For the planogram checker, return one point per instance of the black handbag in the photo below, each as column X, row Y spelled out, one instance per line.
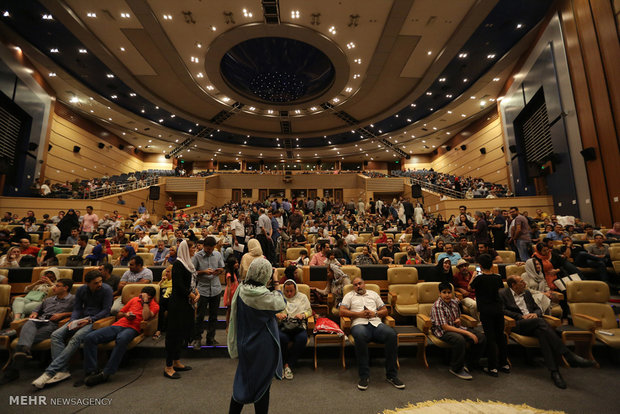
column 292, row 325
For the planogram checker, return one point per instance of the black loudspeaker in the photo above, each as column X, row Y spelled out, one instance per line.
column 76, row 149
column 416, row 191
column 49, row 147
column 154, row 192
column 503, row 150
column 448, row 147
column 588, row 154
column 215, row 163
column 32, row 146
column 121, row 147
column 483, row 150
column 463, row 147
column 262, row 162
column 101, row 145
column 365, row 163
column 513, row 149
column 167, row 156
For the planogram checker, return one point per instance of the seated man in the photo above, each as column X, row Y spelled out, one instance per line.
column 159, row 253
column 138, row 309
column 557, row 233
column 56, row 307
column 387, row 254
column 462, row 277
column 319, row 257
column 424, row 251
column 82, row 248
column 450, row 254
column 519, row 304
column 137, row 273
column 465, row 249
column 298, row 239
column 484, row 248
column 92, row 302
column 110, row 279
column 366, row 309
column 73, row 238
column 446, row 325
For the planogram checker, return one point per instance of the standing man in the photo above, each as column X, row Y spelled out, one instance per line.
column 90, row 222
column 209, row 265
column 520, row 233
column 237, row 229
column 263, row 234
column 498, row 228
column 366, row 309
column 93, row 301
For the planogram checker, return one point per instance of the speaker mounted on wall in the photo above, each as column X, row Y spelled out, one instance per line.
column 513, row 149
column 463, row 147
column 588, row 154
column 76, row 149
column 483, row 150
column 121, row 147
column 154, row 192
column 101, row 145
column 416, row 191
column 448, row 147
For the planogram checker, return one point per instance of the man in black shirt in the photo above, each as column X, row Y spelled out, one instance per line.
column 387, row 254
column 298, row 239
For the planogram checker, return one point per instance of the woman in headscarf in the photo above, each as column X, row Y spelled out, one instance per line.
column 254, row 252
column 47, row 257
column 253, row 338
column 98, row 254
column 537, row 285
column 126, row 255
column 293, row 325
column 443, row 271
column 67, row 223
column 180, row 310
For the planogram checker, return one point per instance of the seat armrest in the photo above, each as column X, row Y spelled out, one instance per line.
column 345, row 323
column 63, row 322
column 582, row 320
column 392, row 298
column 468, row 321
column 104, row 322
column 423, row 322
column 389, row 321
column 310, row 321
column 330, row 300
column 509, row 323
column 559, row 296
column 18, row 324
column 458, row 295
column 553, row 321
column 149, row 327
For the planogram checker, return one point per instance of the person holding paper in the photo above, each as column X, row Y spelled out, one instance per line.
column 43, row 321
column 93, row 301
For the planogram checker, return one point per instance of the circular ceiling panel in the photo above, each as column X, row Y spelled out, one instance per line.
column 277, row 70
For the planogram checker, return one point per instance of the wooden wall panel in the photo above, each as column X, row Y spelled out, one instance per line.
column 471, row 162
column 63, row 164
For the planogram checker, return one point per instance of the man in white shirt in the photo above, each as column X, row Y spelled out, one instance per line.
column 367, row 309
column 143, row 239
column 45, row 188
column 350, row 238
column 237, row 230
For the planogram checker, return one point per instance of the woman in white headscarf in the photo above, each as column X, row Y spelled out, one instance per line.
column 293, row 326
column 418, row 214
column 253, row 337
column 537, row 285
column 254, row 252
column 180, row 309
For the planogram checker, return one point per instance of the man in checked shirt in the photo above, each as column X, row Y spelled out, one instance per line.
column 446, row 325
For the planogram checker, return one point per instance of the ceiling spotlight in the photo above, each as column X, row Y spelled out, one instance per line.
column 519, row 26
column 295, row 14
column 161, row 120
column 332, row 30
column 472, row 97
column 6, row 14
column 172, row 116
column 167, row 17
column 355, row 76
column 52, row 74
column 349, row 89
column 47, row 17
column 125, row 15
column 246, row 13
column 429, row 52
column 270, row 111
column 336, row 100
column 200, row 75
column 54, row 50
column 251, row 108
column 350, row 45
column 209, row 87
column 122, row 49
column 495, row 79
column 358, row 61
column 226, row 99
column 297, row 111
column 198, row 45
column 74, row 99
column 429, row 93
column 464, row 116
column 82, row 50
column 491, row 56
column 448, row 96
column 413, row 105
column 465, row 80
column 132, row 94
column 194, row 59
column 462, row 55
column 313, row 108
column 449, row 112
column 113, row 96
column 483, row 103
column 109, row 75
column 92, row 15
column 213, row 28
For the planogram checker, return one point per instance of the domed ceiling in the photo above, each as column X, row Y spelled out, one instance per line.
column 277, row 79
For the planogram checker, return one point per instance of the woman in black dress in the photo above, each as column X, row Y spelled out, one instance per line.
column 180, row 309
column 69, row 222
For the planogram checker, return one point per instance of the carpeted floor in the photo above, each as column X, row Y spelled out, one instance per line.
column 207, row 388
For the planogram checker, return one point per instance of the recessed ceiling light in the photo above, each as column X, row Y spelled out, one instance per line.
column 125, row 15
column 429, row 93
column 495, row 79
column 332, row 30
column 463, row 115
column 462, row 55
column 132, row 94
column 429, row 52
column 349, row 89
column 82, row 50
column 297, row 111
column 519, row 26
column 251, row 108
column 449, row 112
column 465, row 80
column 226, row 99
column 200, row 75
column 491, row 56
column 161, row 120
column 142, row 111
column 113, row 96
column 122, row 49
column 91, row 15
column 355, row 76
column 213, row 28
column 358, row 61
column 194, row 59
column 74, row 99
column 167, row 17
column 54, row 50
column 313, row 108
column 336, row 100
column 52, row 74
column 47, row 17
column 472, row 97
column 109, row 75
column 246, row 13
column 198, row 45
column 294, row 14
column 350, row 45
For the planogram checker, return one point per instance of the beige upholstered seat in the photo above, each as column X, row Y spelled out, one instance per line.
column 508, row 256
column 514, row 270
column 62, row 258
column 352, row 271
column 588, row 303
column 292, row 253
column 147, row 257
column 398, row 257
column 402, row 290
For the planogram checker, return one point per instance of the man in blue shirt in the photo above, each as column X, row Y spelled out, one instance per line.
column 449, row 253
column 159, row 253
column 557, row 233
column 93, row 301
column 209, row 265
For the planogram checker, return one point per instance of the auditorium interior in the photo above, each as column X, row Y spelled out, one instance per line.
column 188, row 113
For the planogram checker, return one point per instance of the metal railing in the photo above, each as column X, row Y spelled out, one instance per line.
column 438, row 188
column 120, row 187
